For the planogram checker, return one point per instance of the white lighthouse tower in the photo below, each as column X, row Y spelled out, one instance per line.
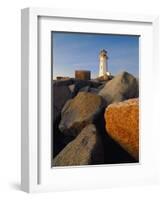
column 103, row 63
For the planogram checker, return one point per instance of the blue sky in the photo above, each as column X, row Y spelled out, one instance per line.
column 73, row 51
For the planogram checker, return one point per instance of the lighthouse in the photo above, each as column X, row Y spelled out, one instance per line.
column 103, row 63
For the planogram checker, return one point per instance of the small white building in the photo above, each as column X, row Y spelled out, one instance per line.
column 103, row 63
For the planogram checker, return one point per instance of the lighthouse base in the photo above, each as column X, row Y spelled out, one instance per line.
column 105, row 77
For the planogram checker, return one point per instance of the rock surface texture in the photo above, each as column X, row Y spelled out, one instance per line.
column 79, row 112
column 121, row 87
column 85, row 149
column 122, row 124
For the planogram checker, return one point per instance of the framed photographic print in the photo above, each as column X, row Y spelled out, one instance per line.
column 86, row 97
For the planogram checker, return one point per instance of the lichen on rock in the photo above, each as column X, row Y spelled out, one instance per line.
column 122, row 124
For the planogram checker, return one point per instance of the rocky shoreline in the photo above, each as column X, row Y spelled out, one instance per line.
column 96, row 121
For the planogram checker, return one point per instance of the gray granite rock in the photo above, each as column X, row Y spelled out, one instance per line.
column 121, row 87
column 80, row 111
column 61, row 93
column 85, row 149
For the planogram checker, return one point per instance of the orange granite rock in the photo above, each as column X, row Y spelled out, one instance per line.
column 122, row 124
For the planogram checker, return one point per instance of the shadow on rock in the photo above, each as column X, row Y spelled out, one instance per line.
column 113, row 152
column 59, row 140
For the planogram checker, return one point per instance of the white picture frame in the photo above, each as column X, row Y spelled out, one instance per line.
column 36, row 171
